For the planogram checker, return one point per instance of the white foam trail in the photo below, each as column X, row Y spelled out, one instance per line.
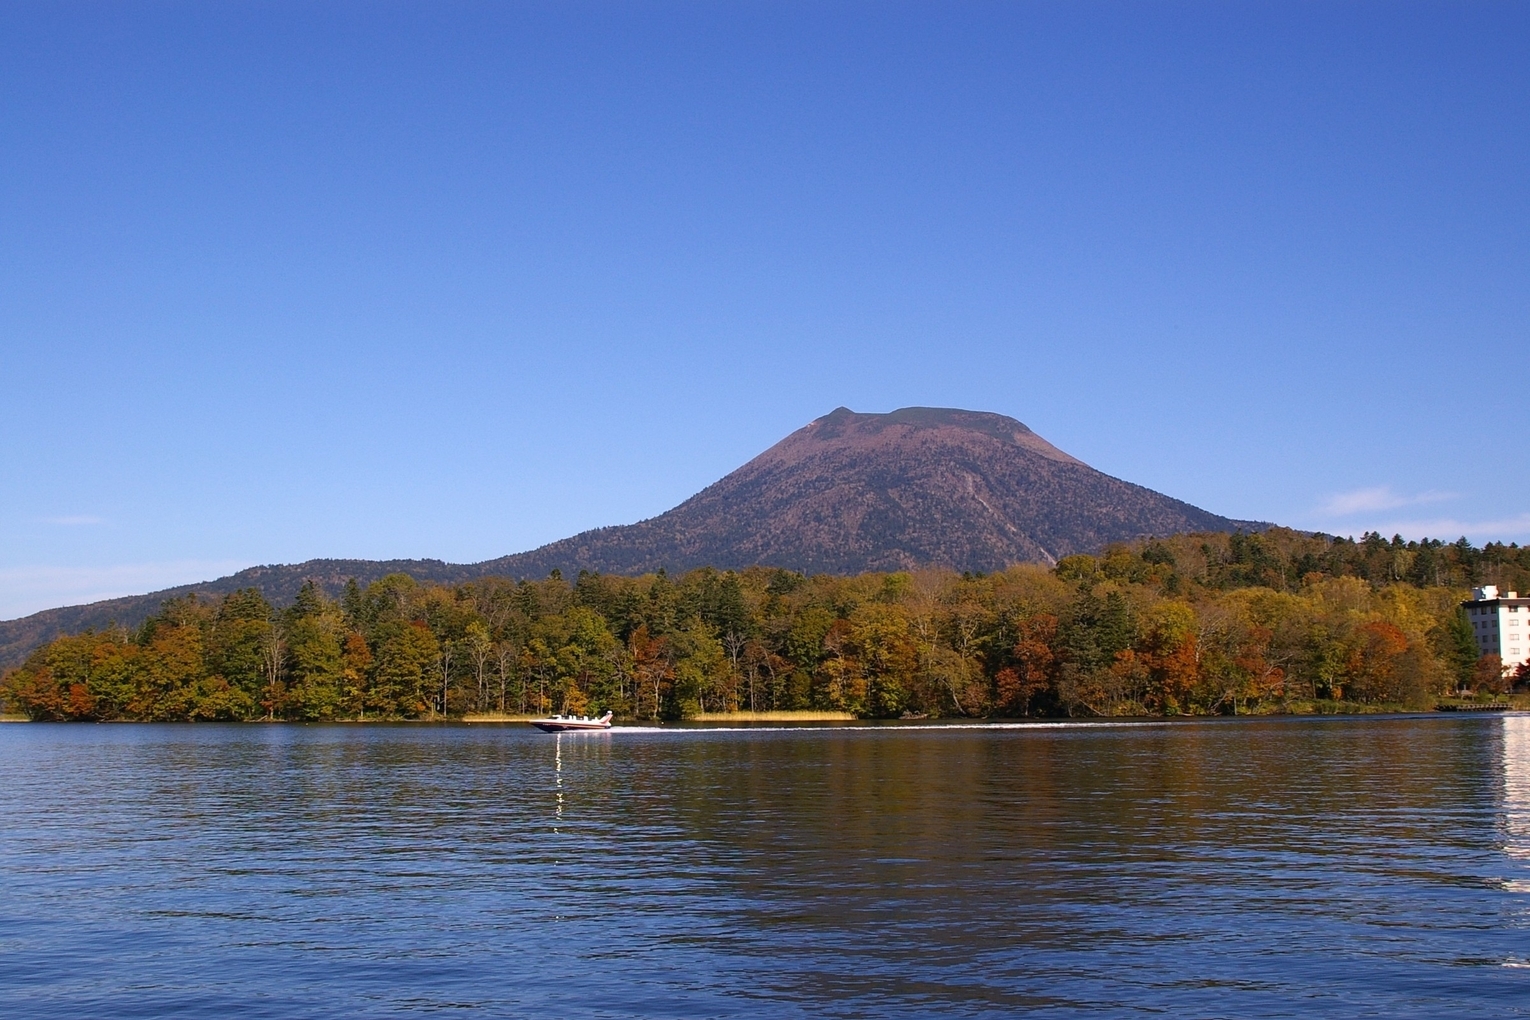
column 854, row 728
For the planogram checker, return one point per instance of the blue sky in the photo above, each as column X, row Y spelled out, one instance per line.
column 280, row 281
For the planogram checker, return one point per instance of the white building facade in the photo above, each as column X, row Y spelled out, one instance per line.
column 1502, row 625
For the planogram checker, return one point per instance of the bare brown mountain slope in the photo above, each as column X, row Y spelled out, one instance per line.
column 919, row 486
column 849, row 492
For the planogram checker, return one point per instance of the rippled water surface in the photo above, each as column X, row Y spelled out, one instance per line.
column 1234, row 868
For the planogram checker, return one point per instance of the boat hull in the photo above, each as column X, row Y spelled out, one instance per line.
column 567, row 723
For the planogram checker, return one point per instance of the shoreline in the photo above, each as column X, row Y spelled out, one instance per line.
column 804, row 715
column 809, row 716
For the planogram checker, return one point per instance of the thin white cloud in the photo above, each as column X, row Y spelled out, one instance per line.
column 75, row 521
column 29, row 589
column 1380, row 497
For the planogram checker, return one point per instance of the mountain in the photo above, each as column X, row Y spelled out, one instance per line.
column 853, row 492
column 849, row 492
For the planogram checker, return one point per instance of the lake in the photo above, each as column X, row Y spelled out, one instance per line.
column 1247, row 868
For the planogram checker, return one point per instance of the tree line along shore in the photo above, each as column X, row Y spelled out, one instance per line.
column 1279, row 621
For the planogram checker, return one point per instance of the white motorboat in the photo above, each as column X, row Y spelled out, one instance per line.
column 562, row 723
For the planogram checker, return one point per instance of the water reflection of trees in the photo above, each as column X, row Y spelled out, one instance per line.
column 989, row 855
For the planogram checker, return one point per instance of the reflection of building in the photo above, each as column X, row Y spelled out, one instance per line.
column 1502, row 625
column 1516, row 784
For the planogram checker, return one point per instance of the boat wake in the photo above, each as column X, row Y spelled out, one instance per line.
column 956, row 727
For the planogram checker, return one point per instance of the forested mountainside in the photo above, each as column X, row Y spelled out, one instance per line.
column 278, row 584
column 918, row 487
column 846, row 494
column 1196, row 624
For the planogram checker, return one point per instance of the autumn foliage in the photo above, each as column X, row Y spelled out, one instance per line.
column 1161, row 628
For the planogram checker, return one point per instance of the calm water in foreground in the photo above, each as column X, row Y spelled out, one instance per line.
column 1236, row 868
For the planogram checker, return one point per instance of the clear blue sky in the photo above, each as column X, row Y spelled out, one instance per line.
column 287, row 280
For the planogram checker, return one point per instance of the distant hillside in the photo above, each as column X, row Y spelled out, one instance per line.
column 279, row 583
column 848, row 493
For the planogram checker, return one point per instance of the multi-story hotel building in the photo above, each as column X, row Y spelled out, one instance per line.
column 1502, row 625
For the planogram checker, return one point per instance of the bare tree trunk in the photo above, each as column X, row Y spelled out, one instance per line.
column 271, row 656
column 505, row 653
